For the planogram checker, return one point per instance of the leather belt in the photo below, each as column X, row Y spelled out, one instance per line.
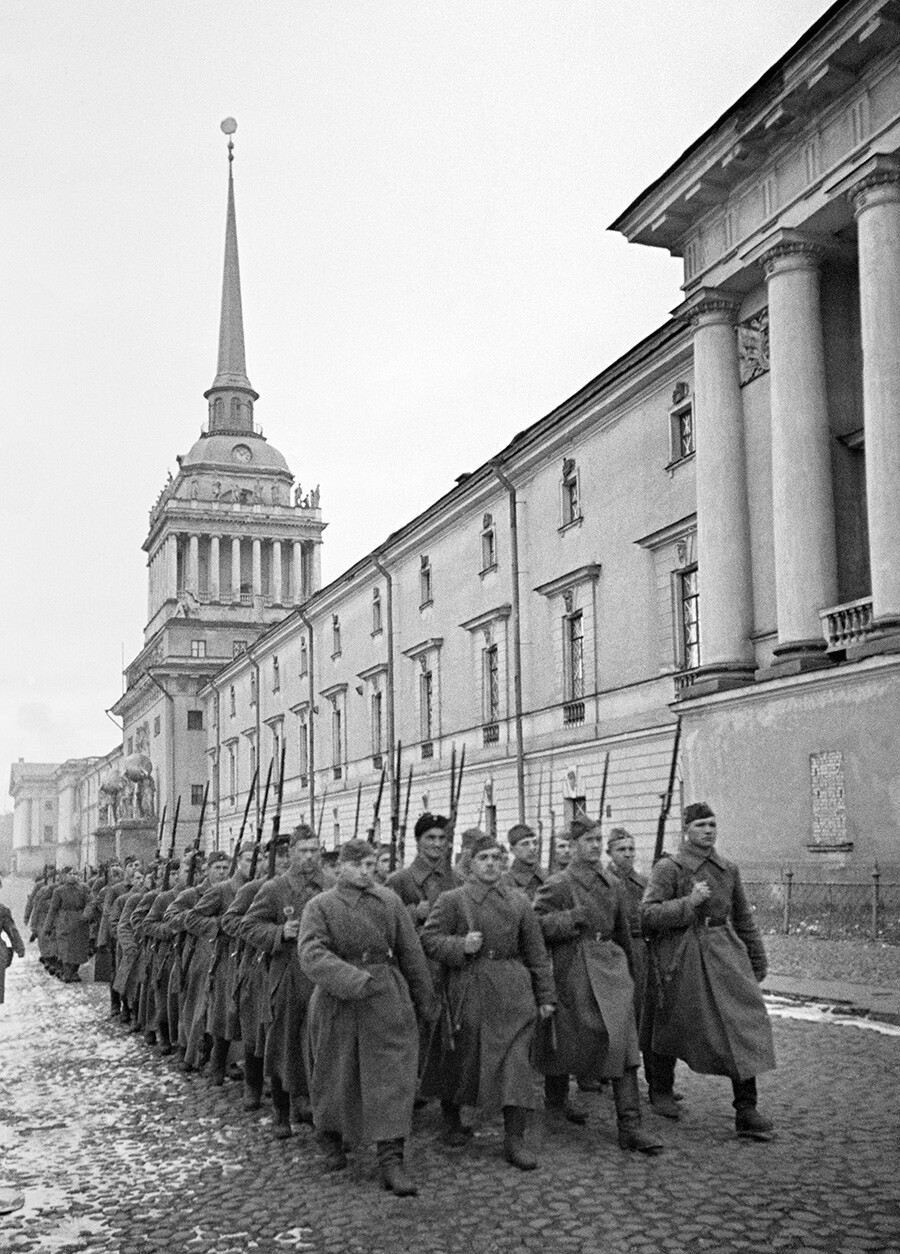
column 371, row 958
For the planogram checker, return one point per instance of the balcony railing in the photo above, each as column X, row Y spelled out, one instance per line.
column 847, row 624
column 573, row 713
column 684, row 680
column 427, row 750
column 337, row 772
column 490, row 734
column 377, row 761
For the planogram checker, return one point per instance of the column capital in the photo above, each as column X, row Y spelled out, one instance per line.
column 877, row 183
column 710, row 305
column 789, row 250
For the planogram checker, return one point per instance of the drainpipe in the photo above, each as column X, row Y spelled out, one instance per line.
column 517, row 635
column 217, row 768
column 311, row 763
column 253, row 662
column 389, row 584
column 171, row 722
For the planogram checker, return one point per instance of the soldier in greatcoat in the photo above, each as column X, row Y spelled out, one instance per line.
column 159, row 938
column 145, row 999
column 197, row 949
column 16, row 944
column 107, row 939
column 46, row 941
column 65, row 918
column 708, row 960
column 127, row 949
column 584, row 918
column 250, row 980
column 357, row 944
column 93, row 913
column 497, row 982
column 215, row 1017
column 182, row 950
column 525, row 872
column 271, row 926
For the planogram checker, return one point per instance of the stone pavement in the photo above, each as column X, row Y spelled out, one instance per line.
column 113, row 1150
column 868, row 1001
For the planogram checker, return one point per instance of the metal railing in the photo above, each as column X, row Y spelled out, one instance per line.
column 847, row 624
column 427, row 749
column 828, row 910
column 490, row 734
column 573, row 713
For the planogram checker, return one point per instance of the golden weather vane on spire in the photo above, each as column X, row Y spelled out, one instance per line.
column 229, row 126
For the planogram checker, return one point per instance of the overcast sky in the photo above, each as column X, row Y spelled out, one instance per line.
column 423, row 190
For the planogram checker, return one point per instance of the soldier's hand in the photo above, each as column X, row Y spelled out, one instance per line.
column 473, row 942
column 423, row 909
column 290, row 929
column 699, row 893
column 546, row 1011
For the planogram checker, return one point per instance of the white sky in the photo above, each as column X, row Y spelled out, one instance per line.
column 422, row 190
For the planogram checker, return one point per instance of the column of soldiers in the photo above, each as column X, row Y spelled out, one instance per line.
column 354, row 994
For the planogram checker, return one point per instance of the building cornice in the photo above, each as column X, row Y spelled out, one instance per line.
column 582, row 574
column 489, row 616
column 670, row 533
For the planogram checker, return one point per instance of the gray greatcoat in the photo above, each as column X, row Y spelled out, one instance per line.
column 204, row 921
column 46, row 940
column 180, row 1010
column 65, row 920
column 289, row 989
column 491, row 998
column 706, row 963
column 360, row 950
column 250, row 977
column 634, row 885
column 584, row 918
column 16, row 945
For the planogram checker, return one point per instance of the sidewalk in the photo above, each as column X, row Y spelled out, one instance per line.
column 868, row 1001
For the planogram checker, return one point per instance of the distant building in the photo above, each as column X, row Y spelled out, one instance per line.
column 6, row 843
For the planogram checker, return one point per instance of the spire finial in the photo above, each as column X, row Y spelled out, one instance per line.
column 229, row 126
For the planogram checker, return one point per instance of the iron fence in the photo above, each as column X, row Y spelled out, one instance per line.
column 828, row 910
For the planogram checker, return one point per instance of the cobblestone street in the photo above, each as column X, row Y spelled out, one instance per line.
column 113, row 1149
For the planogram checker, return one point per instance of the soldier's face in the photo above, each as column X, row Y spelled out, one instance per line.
column 589, row 847
column 702, row 833
column 527, row 850
column 383, row 867
column 218, row 872
column 622, row 853
column 433, row 845
column 563, row 851
column 305, row 856
column 359, row 874
column 282, row 859
column 244, row 860
column 137, row 880
column 487, row 865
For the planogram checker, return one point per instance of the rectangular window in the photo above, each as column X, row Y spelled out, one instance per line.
column 195, row 720
column 574, row 661
column 337, row 740
column 376, row 611
column 276, row 675
column 157, row 725
column 488, row 548
column 198, row 648
column 303, row 745
column 335, row 636
column 491, row 684
column 276, row 748
column 426, row 705
column 238, row 647
column 48, row 833
column 253, row 687
column 571, row 500
column 377, row 722
column 232, row 701
column 689, row 618
column 252, row 758
column 681, row 433
column 129, row 745
column 425, row 591
column 232, row 773
column 196, row 794
column 304, row 659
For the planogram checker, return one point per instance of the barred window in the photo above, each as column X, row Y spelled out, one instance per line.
column 571, row 495
column 491, row 684
column 425, row 587
column 689, row 618
column 376, row 611
column 574, row 656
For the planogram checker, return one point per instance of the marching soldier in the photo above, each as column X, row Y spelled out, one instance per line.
column 359, row 947
column 421, row 883
column 182, row 949
column 127, row 951
column 198, row 948
column 65, row 920
column 497, row 981
column 525, row 872
column 584, row 918
column 162, row 955
column 16, row 944
column 39, row 909
column 708, row 960
column 270, row 926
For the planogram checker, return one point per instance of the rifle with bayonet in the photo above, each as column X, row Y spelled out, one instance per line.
column 321, row 815
column 262, row 820
column 603, row 787
column 167, row 874
column 161, row 830
column 237, row 849
column 540, row 821
column 374, row 826
column 195, row 848
column 276, row 822
column 666, row 797
column 358, row 805
column 401, row 840
column 395, row 805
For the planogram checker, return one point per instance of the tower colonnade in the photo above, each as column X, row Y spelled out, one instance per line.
column 233, row 569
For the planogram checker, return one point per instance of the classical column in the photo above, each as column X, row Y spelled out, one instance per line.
column 276, row 572
column 214, row 568
column 802, row 495
column 876, row 203
column 257, row 570
column 315, row 582
column 193, row 571
column 723, row 520
column 235, row 569
column 171, row 567
column 297, row 572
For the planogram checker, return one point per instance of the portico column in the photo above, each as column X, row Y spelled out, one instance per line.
column 802, row 495
column 316, row 564
column 723, row 521
column 257, row 570
column 276, row 572
column 171, row 567
column 297, row 572
column 235, row 569
column 876, row 204
column 214, row 568
column 193, row 576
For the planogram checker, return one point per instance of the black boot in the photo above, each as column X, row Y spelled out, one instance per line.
column 455, row 1135
column 556, row 1094
column 162, row 1038
column 218, row 1060
column 515, row 1119
column 281, row 1101
column 393, row 1173
column 253, row 1081
column 748, row 1121
column 332, row 1146
column 628, row 1114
